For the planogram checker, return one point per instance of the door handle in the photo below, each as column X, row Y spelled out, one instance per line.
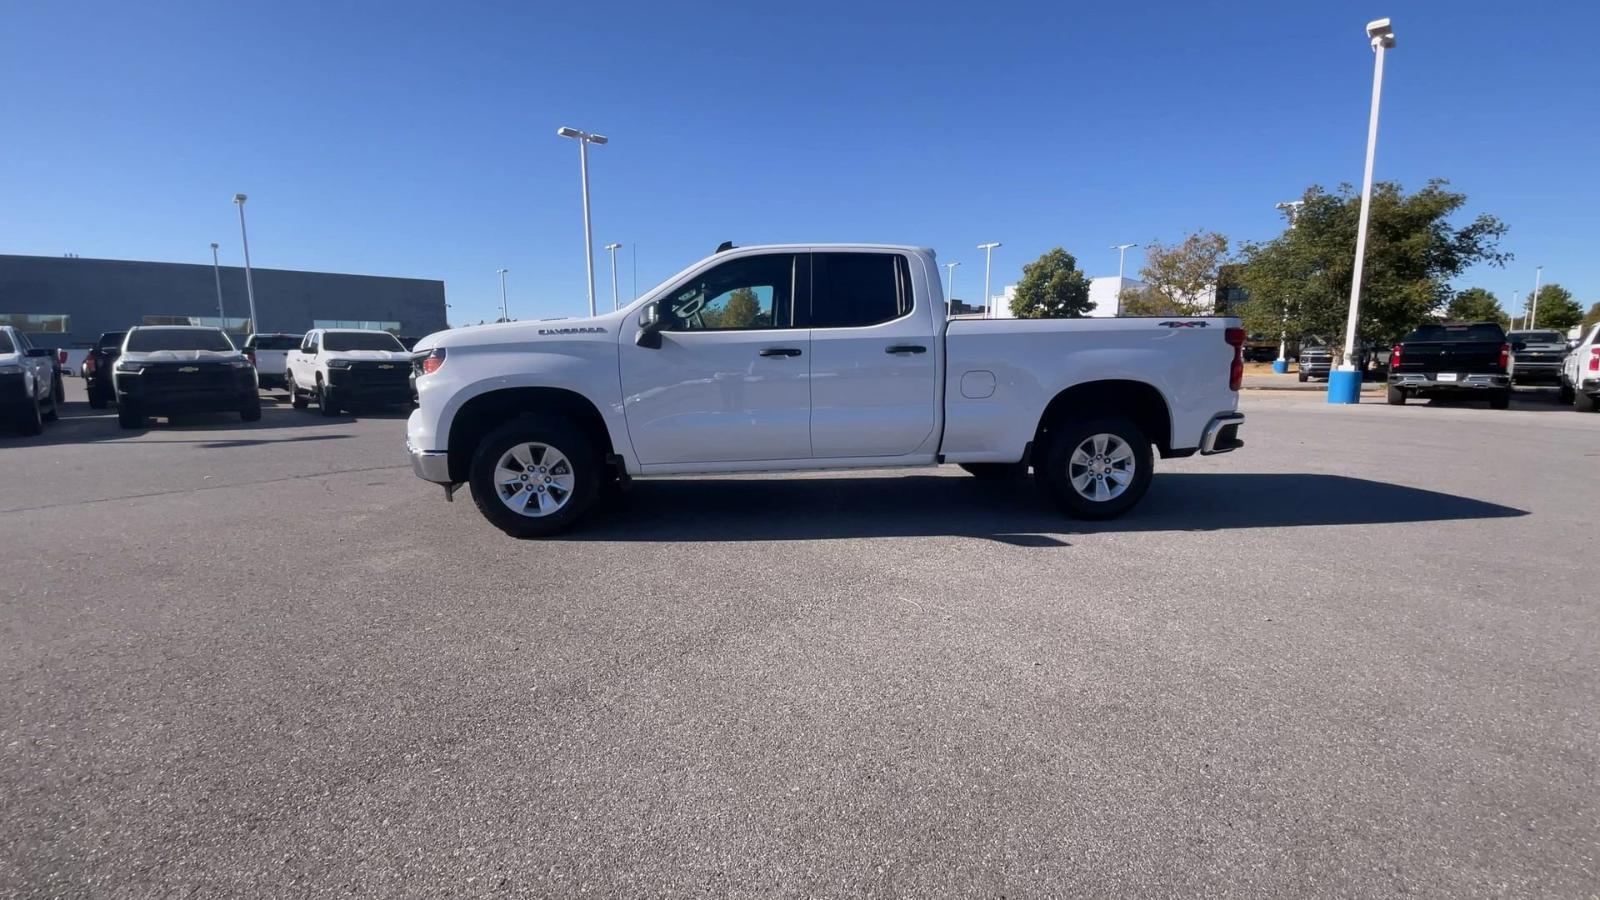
column 906, row 348
column 780, row 351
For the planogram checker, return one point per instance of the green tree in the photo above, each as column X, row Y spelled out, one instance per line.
column 1301, row 279
column 1591, row 317
column 1557, row 309
column 1052, row 287
column 1180, row 279
column 1476, row 305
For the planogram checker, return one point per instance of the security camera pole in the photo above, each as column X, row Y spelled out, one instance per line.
column 249, row 283
column 988, row 255
column 950, row 299
column 216, row 269
column 1290, row 208
column 612, row 249
column 1344, row 383
column 584, row 139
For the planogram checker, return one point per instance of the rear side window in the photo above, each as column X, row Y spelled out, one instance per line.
column 1485, row 332
column 852, row 290
column 5, row 343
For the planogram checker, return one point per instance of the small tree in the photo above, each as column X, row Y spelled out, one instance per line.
column 1557, row 309
column 1180, row 279
column 1476, row 305
column 1052, row 287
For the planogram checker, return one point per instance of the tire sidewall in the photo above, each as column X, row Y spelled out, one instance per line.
column 1065, row 437
column 558, row 433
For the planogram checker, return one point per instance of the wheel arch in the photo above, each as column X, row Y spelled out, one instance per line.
column 1138, row 400
column 484, row 412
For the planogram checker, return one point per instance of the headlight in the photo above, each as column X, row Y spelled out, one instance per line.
column 9, row 369
column 238, row 364
column 338, row 363
column 130, row 367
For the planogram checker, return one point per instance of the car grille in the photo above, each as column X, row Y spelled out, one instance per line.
column 188, row 377
column 378, row 375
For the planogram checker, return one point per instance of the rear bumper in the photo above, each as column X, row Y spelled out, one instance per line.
column 1222, row 434
column 430, row 465
column 1428, row 383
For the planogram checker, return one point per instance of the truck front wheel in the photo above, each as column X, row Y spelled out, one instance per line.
column 1096, row 469
column 535, row 476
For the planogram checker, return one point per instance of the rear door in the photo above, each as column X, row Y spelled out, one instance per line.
column 874, row 356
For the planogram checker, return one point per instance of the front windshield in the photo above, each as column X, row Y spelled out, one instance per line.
column 361, row 340
column 151, row 340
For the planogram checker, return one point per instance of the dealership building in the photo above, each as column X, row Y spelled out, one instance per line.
column 68, row 302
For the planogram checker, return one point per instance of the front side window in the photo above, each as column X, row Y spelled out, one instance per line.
column 853, row 290
column 310, row 344
column 5, row 343
column 755, row 292
column 151, row 340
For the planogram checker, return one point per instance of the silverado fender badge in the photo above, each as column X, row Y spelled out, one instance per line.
column 585, row 329
column 1182, row 324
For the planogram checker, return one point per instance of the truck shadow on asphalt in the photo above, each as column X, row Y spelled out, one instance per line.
column 683, row 510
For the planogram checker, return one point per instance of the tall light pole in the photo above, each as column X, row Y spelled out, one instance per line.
column 612, row 249
column 505, row 309
column 216, row 269
column 1291, row 209
column 249, row 283
column 988, row 254
column 1344, row 383
column 584, row 139
column 1533, row 307
column 950, row 293
column 1122, row 253
column 1516, row 297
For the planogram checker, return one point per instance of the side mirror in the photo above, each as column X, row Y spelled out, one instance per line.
column 649, row 335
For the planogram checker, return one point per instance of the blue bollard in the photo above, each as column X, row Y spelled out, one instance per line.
column 1344, row 386
column 1280, row 366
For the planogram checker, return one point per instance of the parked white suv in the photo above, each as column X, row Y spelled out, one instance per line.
column 1580, row 373
column 342, row 368
column 814, row 357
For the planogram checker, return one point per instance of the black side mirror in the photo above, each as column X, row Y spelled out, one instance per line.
column 649, row 335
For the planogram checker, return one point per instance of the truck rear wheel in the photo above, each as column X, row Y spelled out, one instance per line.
column 1397, row 397
column 1096, row 469
column 535, row 476
column 1500, row 399
column 1583, row 402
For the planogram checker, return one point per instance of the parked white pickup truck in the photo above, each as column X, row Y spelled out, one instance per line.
column 30, row 385
column 814, row 357
column 1580, row 373
column 269, row 353
column 342, row 368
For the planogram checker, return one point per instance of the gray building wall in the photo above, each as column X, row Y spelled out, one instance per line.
column 109, row 295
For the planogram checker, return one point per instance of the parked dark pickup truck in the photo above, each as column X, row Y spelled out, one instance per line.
column 1452, row 360
column 97, row 369
column 1536, row 356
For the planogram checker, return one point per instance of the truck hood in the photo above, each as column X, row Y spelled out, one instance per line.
column 599, row 329
column 399, row 356
column 159, row 356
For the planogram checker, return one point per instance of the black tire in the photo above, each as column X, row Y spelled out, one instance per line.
column 251, row 410
column 1583, row 402
column 129, row 415
column 296, row 398
column 1500, row 399
column 1304, row 378
column 30, row 420
column 1564, row 393
column 58, row 394
column 98, row 398
column 569, row 440
column 1397, row 397
column 1055, row 476
column 996, row 471
column 325, row 402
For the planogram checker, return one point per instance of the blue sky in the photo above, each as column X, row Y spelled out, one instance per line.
column 419, row 139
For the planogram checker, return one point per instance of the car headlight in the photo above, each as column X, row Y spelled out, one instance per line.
column 338, row 363
column 238, row 364
column 9, row 369
column 130, row 366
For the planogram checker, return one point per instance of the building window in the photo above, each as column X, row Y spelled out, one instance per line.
column 37, row 323
column 391, row 327
column 235, row 325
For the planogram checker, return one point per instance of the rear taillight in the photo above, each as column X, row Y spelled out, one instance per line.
column 1235, row 339
column 1394, row 357
column 61, row 357
column 432, row 362
column 89, row 364
column 1594, row 359
column 250, row 355
column 1505, row 356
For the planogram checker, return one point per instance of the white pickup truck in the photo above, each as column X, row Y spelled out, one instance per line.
column 814, row 357
column 30, row 385
column 269, row 353
column 1580, row 373
column 345, row 368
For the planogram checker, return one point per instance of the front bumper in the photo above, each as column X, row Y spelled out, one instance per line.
column 371, row 385
column 1532, row 371
column 157, row 393
column 430, row 465
column 1222, row 434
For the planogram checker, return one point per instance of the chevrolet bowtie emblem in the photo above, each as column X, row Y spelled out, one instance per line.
column 188, row 368
column 386, row 366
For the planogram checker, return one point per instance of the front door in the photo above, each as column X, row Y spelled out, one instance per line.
column 730, row 382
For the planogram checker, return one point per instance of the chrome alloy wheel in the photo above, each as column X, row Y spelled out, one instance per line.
column 1101, row 468
column 534, row 479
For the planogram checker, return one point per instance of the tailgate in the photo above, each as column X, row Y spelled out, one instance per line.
column 1449, row 356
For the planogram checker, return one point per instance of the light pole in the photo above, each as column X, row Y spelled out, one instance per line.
column 1533, row 307
column 1516, row 297
column 505, row 309
column 249, row 283
column 1122, row 253
column 1290, row 208
column 216, row 269
column 988, row 253
column 584, row 139
column 612, row 249
column 1344, row 383
column 950, row 296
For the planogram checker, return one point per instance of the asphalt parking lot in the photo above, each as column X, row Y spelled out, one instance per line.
column 1357, row 657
